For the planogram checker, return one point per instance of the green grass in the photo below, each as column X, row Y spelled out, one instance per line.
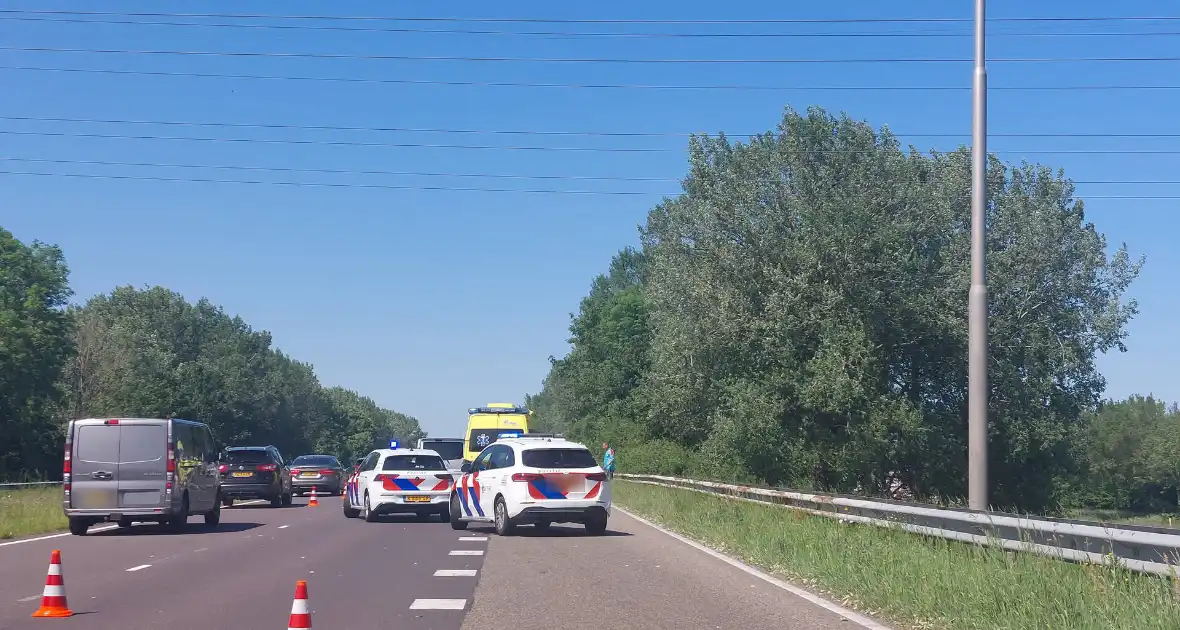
column 1114, row 516
column 28, row 511
column 907, row 580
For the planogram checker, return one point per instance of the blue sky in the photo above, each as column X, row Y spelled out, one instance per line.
column 431, row 301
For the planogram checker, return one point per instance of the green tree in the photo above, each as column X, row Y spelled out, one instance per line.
column 34, row 347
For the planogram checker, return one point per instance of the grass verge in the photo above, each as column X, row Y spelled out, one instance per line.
column 28, row 511
column 912, row 581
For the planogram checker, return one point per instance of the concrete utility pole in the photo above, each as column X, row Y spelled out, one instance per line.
column 977, row 389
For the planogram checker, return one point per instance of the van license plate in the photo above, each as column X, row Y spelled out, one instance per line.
column 417, row 499
column 243, row 474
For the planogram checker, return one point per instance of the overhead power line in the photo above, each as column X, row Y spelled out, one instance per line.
column 530, row 132
column 330, row 171
column 582, row 34
column 563, row 60
column 201, row 180
column 611, row 86
column 357, row 18
column 421, row 145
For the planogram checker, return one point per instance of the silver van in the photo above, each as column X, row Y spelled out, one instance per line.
column 129, row 470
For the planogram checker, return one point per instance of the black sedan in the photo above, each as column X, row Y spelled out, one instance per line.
column 322, row 472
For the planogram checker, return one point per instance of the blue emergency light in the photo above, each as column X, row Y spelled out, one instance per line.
column 521, row 411
column 393, row 444
column 510, row 434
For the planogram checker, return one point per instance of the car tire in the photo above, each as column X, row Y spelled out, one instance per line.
column 213, row 517
column 276, row 501
column 596, row 526
column 504, row 525
column 367, row 511
column 287, row 499
column 79, row 527
column 453, row 513
column 444, row 515
column 179, row 523
column 349, row 512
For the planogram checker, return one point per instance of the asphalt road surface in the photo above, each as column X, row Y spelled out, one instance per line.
column 397, row 573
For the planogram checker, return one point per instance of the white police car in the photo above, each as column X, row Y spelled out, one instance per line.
column 398, row 481
column 532, row 479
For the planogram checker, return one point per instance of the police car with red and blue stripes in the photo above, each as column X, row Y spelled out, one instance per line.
column 532, row 479
column 398, row 481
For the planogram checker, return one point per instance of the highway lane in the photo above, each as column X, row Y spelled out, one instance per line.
column 360, row 575
column 634, row 577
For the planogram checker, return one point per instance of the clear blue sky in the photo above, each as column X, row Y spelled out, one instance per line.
column 382, row 289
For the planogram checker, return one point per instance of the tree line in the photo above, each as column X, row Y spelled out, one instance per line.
column 798, row 317
column 151, row 353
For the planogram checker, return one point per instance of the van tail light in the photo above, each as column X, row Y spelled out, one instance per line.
column 526, row 477
column 65, row 469
column 222, row 468
column 596, row 477
column 267, row 467
column 171, row 459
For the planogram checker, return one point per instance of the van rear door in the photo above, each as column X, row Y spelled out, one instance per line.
column 94, row 466
column 143, row 463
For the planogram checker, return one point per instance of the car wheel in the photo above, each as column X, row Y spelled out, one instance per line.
column 504, row 526
column 349, row 511
column 453, row 514
column 444, row 515
column 213, row 517
column 287, row 500
column 78, row 527
column 179, row 522
column 596, row 526
column 367, row 511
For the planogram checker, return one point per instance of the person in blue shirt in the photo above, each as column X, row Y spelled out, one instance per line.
column 608, row 461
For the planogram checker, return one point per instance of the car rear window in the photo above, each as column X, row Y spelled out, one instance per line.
column 558, row 458
column 97, row 443
column 326, row 461
column 447, row 448
column 413, row 462
column 247, row 457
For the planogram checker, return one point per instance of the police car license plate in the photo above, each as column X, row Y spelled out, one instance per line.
column 417, row 499
column 243, row 474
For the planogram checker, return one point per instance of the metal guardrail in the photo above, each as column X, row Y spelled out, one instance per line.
column 1144, row 549
column 30, row 483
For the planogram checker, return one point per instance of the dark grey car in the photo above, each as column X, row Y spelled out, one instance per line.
column 322, row 472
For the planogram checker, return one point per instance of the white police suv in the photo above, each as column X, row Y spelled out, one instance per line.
column 398, row 481
column 532, row 479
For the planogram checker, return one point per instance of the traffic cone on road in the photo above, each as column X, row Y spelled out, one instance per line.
column 300, row 613
column 53, row 598
column 313, row 501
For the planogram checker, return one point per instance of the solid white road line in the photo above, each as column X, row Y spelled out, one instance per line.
column 142, row 566
column 283, row 526
column 850, row 615
column 467, row 552
column 473, row 538
column 29, row 540
column 29, row 598
column 455, row 573
column 95, row 530
column 438, row 604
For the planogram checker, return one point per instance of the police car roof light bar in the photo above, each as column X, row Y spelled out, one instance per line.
column 516, row 411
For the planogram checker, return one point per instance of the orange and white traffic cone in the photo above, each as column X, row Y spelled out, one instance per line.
column 53, row 598
column 313, row 501
column 300, row 613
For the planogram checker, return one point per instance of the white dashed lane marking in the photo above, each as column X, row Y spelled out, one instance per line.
column 140, row 567
column 473, row 538
column 466, row 552
column 283, row 526
column 438, row 604
column 455, row 573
